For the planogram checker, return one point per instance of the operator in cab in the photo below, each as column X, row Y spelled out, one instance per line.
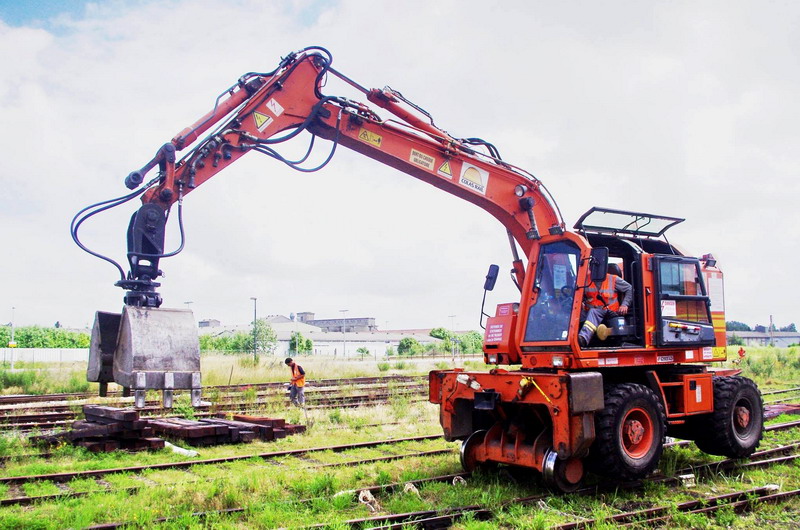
column 602, row 301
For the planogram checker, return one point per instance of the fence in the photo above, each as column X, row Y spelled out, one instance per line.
column 44, row 355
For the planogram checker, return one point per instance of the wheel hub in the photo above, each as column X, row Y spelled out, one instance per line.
column 634, row 430
column 742, row 417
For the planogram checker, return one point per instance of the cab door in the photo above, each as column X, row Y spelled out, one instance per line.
column 683, row 307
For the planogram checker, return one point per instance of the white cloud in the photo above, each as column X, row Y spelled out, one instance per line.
column 682, row 108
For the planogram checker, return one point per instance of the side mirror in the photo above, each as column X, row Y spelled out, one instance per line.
column 491, row 277
column 598, row 264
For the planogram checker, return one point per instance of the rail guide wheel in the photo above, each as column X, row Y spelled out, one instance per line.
column 629, row 432
column 468, row 448
column 562, row 475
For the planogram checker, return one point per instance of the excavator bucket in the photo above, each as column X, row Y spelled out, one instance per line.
column 146, row 349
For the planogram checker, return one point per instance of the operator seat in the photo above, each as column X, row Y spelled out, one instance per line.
column 619, row 328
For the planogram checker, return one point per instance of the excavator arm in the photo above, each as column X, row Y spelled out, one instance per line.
column 264, row 110
column 145, row 347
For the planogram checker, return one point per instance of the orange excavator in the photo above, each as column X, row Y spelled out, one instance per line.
column 603, row 400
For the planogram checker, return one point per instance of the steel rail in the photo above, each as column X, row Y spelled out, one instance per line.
column 6, row 400
column 64, row 477
column 155, row 404
column 27, row 500
column 330, row 397
column 447, row 517
column 28, row 423
column 428, row 518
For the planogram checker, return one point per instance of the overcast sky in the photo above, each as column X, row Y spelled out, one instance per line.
column 688, row 109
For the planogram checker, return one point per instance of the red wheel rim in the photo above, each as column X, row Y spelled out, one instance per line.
column 636, row 433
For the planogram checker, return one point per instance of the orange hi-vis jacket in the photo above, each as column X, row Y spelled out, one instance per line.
column 606, row 296
column 296, row 371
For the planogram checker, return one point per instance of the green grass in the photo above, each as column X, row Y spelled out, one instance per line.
column 45, row 378
column 271, row 490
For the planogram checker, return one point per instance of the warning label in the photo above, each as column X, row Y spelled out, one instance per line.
column 474, row 178
column 494, row 332
column 370, row 137
column 262, row 121
column 275, row 107
column 445, row 170
column 421, row 159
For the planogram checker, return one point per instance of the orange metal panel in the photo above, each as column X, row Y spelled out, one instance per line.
column 698, row 393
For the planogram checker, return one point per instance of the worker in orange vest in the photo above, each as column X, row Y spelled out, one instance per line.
column 602, row 301
column 296, row 387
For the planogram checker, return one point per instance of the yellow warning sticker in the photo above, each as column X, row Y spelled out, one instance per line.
column 421, row 159
column 370, row 137
column 474, row 178
column 445, row 170
column 262, row 120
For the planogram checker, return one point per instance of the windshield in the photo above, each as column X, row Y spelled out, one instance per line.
column 557, row 267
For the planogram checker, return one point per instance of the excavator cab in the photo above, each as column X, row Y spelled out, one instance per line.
column 629, row 237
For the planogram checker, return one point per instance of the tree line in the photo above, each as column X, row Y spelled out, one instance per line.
column 39, row 337
column 735, row 325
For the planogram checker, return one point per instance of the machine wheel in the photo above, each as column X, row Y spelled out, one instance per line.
column 468, row 461
column 562, row 475
column 629, row 432
column 736, row 426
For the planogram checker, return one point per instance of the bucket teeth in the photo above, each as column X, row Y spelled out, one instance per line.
column 167, row 399
column 139, row 398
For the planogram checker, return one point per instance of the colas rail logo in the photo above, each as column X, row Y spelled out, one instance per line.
column 474, row 178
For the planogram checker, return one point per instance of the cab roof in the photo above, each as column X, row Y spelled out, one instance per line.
column 621, row 222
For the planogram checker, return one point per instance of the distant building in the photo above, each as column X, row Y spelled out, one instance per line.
column 331, row 342
column 336, row 324
column 209, row 323
column 781, row 339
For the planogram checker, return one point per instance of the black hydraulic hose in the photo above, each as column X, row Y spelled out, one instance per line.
column 97, row 208
column 303, row 126
column 274, row 154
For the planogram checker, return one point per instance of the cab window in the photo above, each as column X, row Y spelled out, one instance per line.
column 682, row 279
column 554, row 287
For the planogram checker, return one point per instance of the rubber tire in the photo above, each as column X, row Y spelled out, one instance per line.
column 719, row 435
column 608, row 456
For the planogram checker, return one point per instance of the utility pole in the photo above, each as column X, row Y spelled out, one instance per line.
column 771, row 330
column 12, row 343
column 255, row 319
column 453, row 338
column 344, row 337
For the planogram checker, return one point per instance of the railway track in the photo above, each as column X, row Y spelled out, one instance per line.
column 61, row 416
column 439, row 518
column 184, row 464
column 447, row 517
column 27, row 500
column 318, row 383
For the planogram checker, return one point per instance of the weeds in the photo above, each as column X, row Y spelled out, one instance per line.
column 183, row 406
column 335, row 416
